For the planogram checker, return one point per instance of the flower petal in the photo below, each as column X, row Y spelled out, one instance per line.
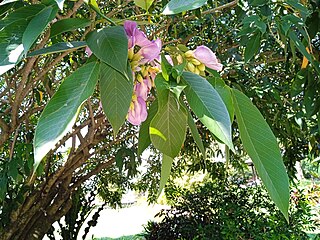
column 150, row 52
column 169, row 59
column 207, row 57
column 140, row 38
column 142, row 89
column 88, row 51
column 139, row 113
column 129, row 27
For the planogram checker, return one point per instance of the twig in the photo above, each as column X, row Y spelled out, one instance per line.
column 227, row 5
column 91, row 115
column 93, row 172
column 72, row 11
column 14, row 141
column 216, row 9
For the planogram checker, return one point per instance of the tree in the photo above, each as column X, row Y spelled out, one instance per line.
column 61, row 59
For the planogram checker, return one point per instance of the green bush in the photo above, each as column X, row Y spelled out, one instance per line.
column 224, row 210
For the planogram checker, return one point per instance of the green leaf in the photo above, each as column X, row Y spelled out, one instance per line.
column 177, row 89
column 116, row 93
column 261, row 26
column 58, row 47
column 110, row 45
column 6, row 8
column 12, row 29
column 168, row 127
column 299, row 45
column 310, row 97
column 3, row 186
column 299, row 83
column 121, row 156
column 94, row 5
column 23, row 13
column 178, row 6
column 195, row 134
column 248, row 20
column 69, row 24
column 144, row 136
column 297, row 5
column 7, row 1
column 252, row 47
column 313, row 24
column 225, row 93
column 207, row 104
column 294, row 38
column 261, row 145
column 61, row 112
column 165, row 171
column 144, row 4
column 162, row 87
column 257, row 2
column 13, row 169
column 10, row 55
column 35, row 28
column 165, row 67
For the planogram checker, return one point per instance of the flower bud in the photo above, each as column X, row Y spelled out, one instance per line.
column 179, row 59
column 139, row 78
column 196, row 71
column 134, row 64
column 202, row 67
column 195, row 62
column 130, row 53
column 131, row 106
column 136, row 57
column 144, row 71
column 134, row 97
column 190, row 67
column 188, row 54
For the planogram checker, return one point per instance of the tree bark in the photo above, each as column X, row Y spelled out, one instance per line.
column 50, row 201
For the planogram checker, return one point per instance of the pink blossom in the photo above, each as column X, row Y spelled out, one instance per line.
column 150, row 50
column 138, row 112
column 207, row 57
column 158, row 42
column 142, row 89
column 135, row 36
column 88, row 51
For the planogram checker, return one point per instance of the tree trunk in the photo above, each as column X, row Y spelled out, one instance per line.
column 36, row 221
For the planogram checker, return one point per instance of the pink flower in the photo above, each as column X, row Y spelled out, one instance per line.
column 88, row 51
column 207, row 57
column 142, row 89
column 150, row 50
column 138, row 111
column 135, row 36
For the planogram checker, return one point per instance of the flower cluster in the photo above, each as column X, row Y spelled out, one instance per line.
column 199, row 59
column 144, row 57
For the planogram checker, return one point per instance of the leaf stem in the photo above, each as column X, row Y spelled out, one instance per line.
column 103, row 16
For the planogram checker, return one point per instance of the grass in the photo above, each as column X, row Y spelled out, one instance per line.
column 130, row 237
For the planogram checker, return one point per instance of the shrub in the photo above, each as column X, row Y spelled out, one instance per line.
column 225, row 210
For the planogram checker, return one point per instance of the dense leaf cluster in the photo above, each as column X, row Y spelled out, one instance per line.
column 229, row 210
